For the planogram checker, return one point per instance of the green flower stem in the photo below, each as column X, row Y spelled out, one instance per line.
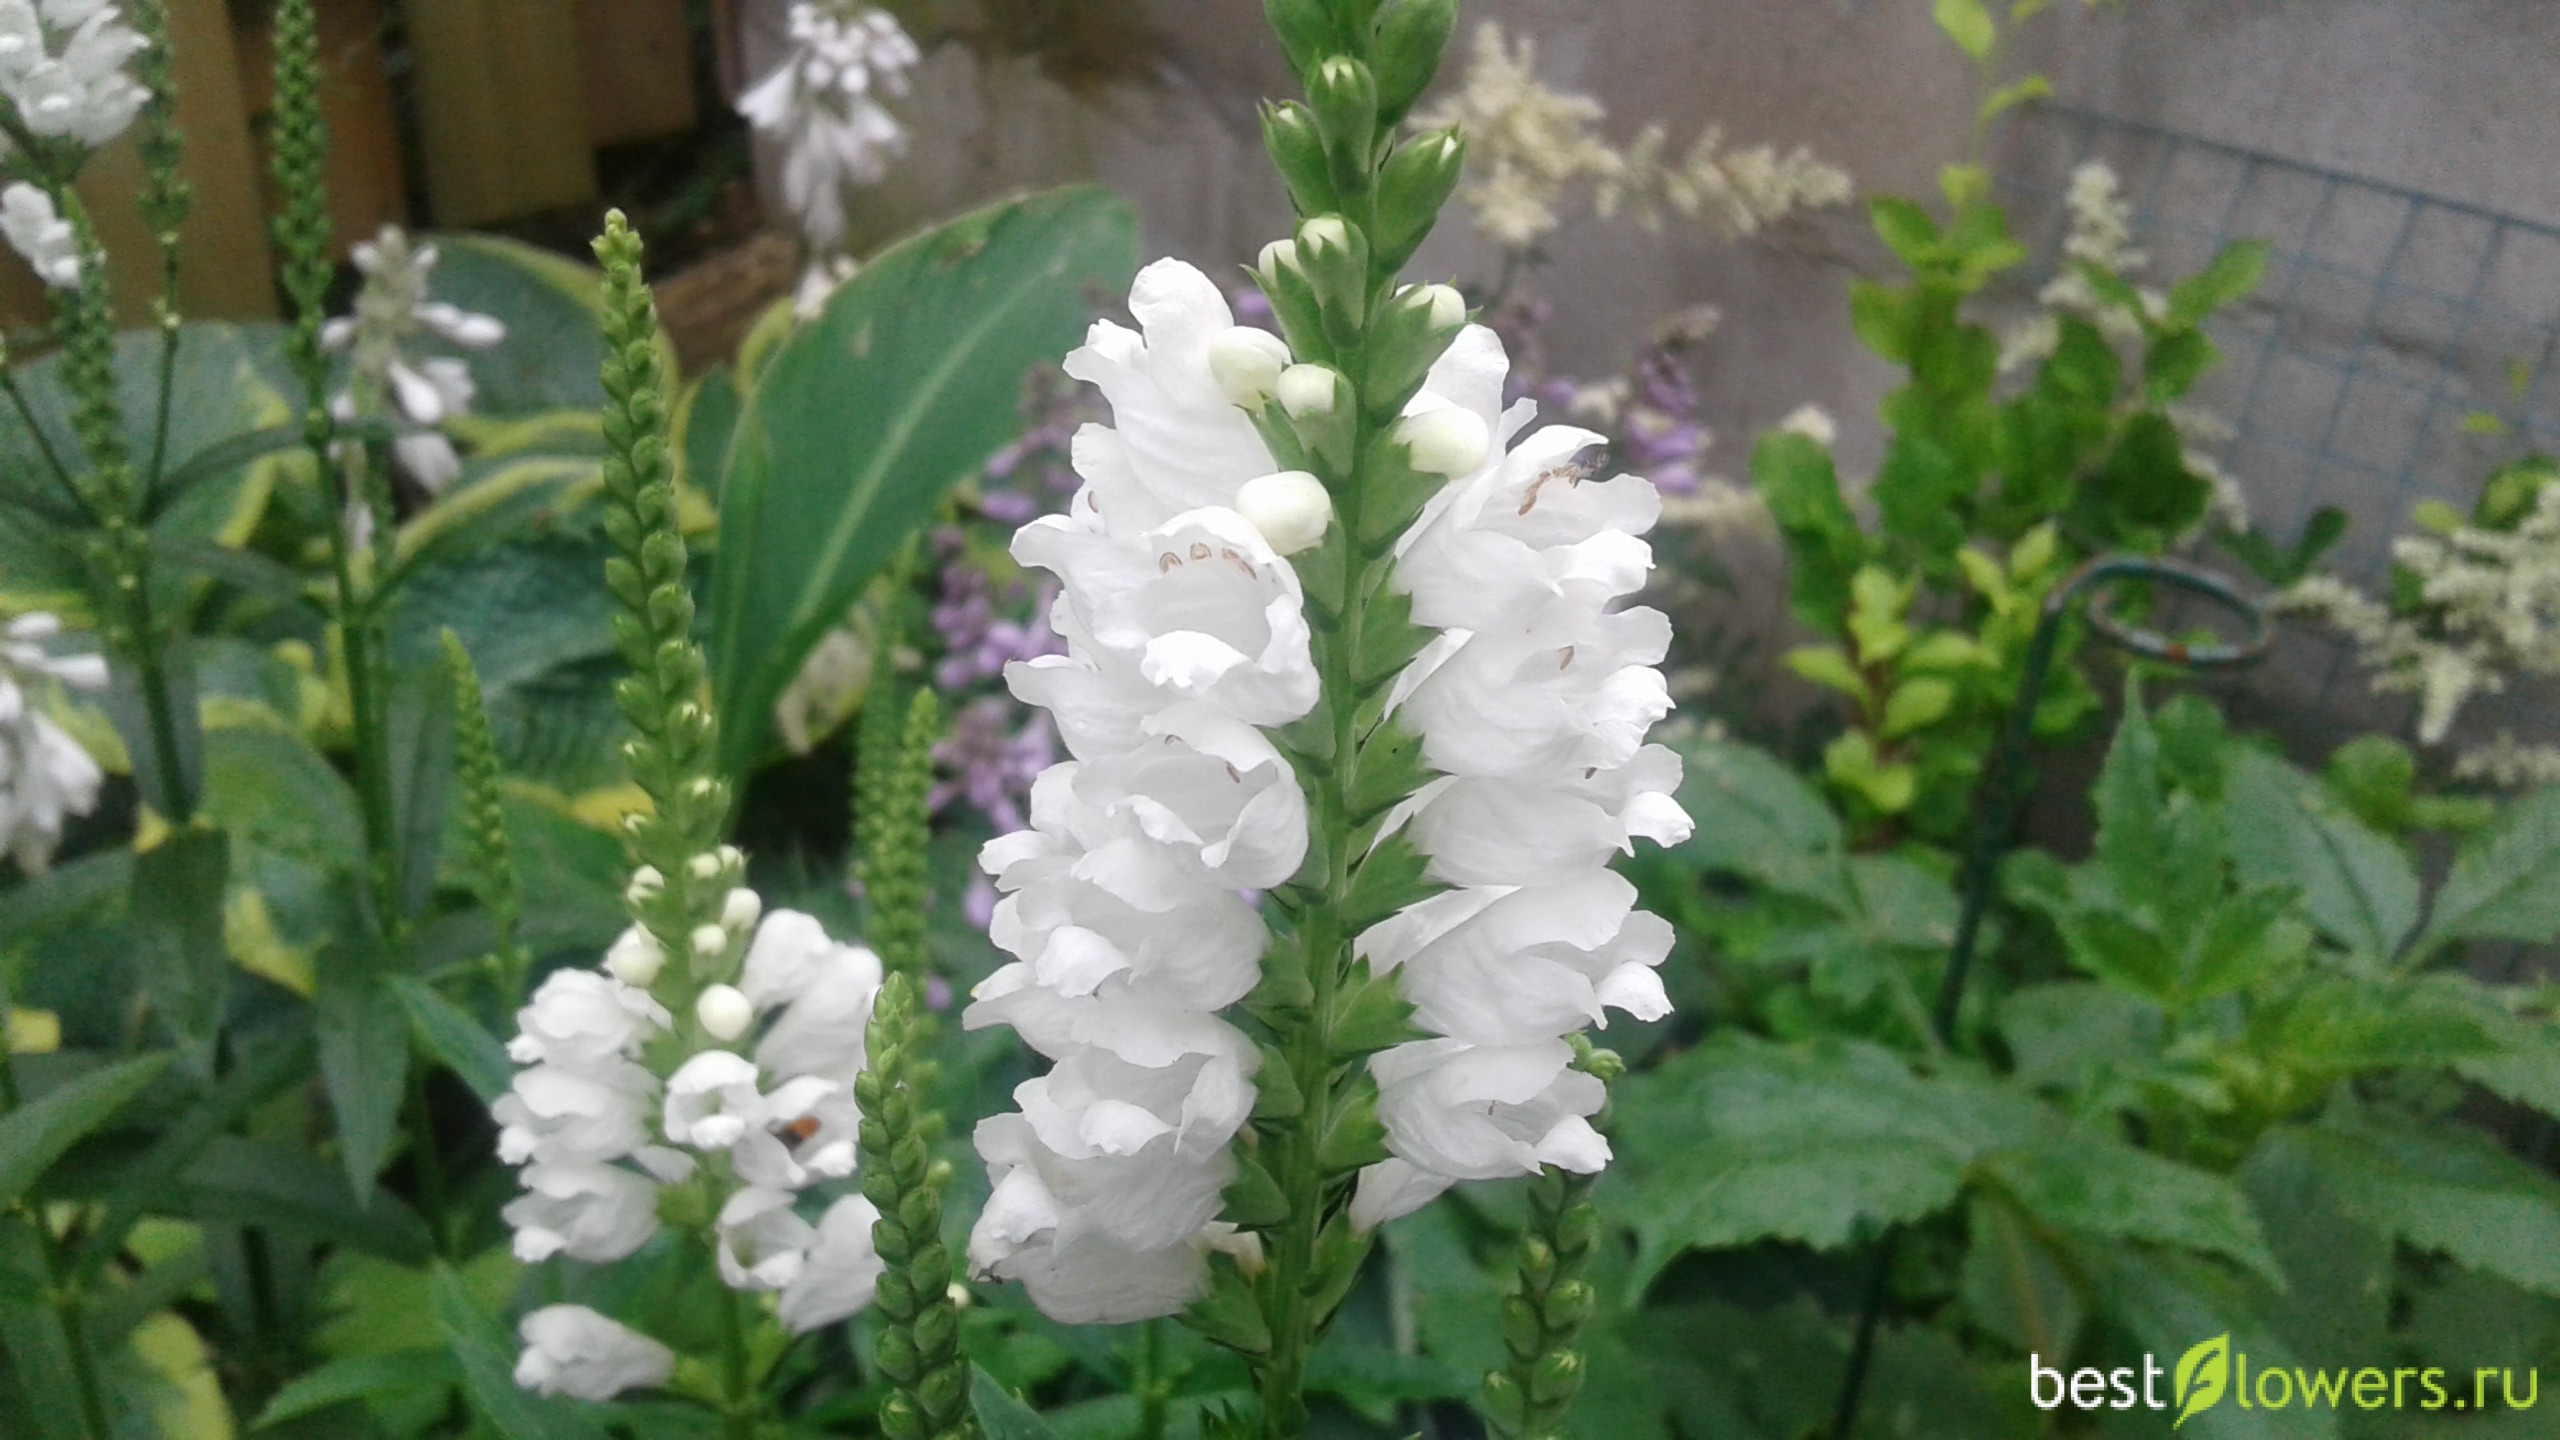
column 894, row 834
column 492, row 852
column 303, row 239
column 919, row 1344
column 739, row 1410
column 1339, row 306
column 166, row 201
column 1528, row 1398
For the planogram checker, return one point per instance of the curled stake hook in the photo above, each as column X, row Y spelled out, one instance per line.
column 2006, row 783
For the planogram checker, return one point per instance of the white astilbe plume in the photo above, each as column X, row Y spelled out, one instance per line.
column 1529, row 146
column 1533, row 704
column 2100, row 235
column 606, row 1108
column 62, row 67
column 393, row 314
column 1186, row 636
column 823, row 103
column 2489, row 616
column 45, row 777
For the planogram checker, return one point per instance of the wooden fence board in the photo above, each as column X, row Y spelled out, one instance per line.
column 502, row 108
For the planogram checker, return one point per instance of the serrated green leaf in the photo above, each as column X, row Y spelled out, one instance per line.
column 1253, row 1199
column 1389, row 769
column 911, row 377
column 1369, row 1014
column 1228, row 1315
column 2448, row 1189
column 2526, row 1067
column 1741, row 1140
column 2284, row 828
column 2095, row 1183
column 2505, row 884
column 37, row 1133
column 1352, row 1137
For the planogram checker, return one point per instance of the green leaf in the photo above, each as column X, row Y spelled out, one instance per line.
column 2449, row 1189
column 2010, row 97
column 2014, row 1284
column 1829, row 666
column 1389, row 879
column 1968, row 23
column 1906, row 227
column 2526, row 1069
column 258, row 1072
column 1882, row 318
column 2064, row 1035
column 706, row 420
column 2285, row 828
column 454, row 1037
column 36, row 1134
column 2132, row 846
column 2170, row 1304
column 364, row 1062
column 358, row 1377
column 553, row 355
column 1000, row 1415
column 1825, row 547
column 2095, row 1183
column 2505, row 884
column 2233, row 275
column 176, row 907
column 422, row 758
column 1741, row 1140
column 486, row 1353
column 2176, row 361
column 284, row 1187
column 868, row 415
column 1917, row 704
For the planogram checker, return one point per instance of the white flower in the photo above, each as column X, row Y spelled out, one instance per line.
column 841, row 1272
column 764, row 1244
column 823, row 103
column 1292, row 509
column 45, row 777
column 1456, row 1111
column 596, row 1213
column 63, row 68
column 39, row 234
column 1248, row 363
column 1496, row 965
column 393, row 313
column 574, row 1351
column 582, row 1018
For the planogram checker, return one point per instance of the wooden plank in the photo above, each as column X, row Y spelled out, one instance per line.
column 502, row 108
column 638, row 59
column 225, row 272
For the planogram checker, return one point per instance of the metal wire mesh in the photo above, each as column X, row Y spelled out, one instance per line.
column 2387, row 319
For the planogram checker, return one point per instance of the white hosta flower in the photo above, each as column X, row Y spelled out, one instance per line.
column 45, row 777
column 393, row 315
column 574, row 1351
column 1176, row 441
column 823, row 104
column 595, row 1213
column 842, row 1270
column 40, row 235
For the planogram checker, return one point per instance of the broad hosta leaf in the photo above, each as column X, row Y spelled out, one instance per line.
column 553, row 355
column 1740, row 1141
column 2097, row 1184
column 2506, row 884
column 2285, row 828
column 866, row 417
column 37, row 1133
column 2448, row 1189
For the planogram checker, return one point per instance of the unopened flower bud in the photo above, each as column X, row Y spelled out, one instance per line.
column 636, row 958
column 1291, row 509
column 1812, row 422
column 705, row 866
column 1278, row 256
column 1448, row 308
column 740, row 910
column 645, row 884
column 1448, row 441
column 725, row 1012
column 1307, row 390
column 1248, row 363
column 709, row 940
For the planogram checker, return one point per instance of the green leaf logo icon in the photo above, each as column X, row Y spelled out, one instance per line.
column 2203, row 1374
